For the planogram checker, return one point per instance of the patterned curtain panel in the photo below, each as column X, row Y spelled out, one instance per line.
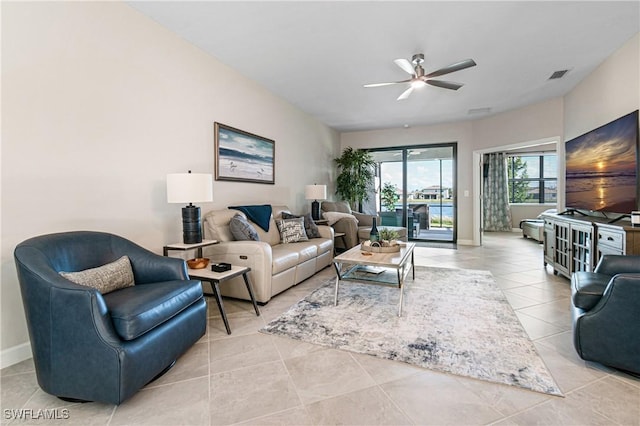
column 497, row 214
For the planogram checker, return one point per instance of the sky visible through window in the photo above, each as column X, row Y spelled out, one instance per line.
column 420, row 174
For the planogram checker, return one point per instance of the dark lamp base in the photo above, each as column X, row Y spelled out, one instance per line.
column 315, row 210
column 191, row 226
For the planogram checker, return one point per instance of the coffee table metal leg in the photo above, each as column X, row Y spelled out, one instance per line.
column 250, row 289
column 216, row 293
column 400, row 305
column 413, row 266
column 337, row 266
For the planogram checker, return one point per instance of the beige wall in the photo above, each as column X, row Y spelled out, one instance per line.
column 99, row 103
column 611, row 91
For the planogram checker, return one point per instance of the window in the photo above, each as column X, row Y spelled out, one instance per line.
column 533, row 178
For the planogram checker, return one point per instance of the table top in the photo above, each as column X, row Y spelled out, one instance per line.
column 208, row 274
column 387, row 260
column 183, row 246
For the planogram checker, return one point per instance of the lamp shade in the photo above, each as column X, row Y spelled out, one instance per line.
column 189, row 187
column 315, row 192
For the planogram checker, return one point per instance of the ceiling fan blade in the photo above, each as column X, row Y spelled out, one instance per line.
column 445, row 84
column 405, row 94
column 467, row 63
column 405, row 65
column 386, row 84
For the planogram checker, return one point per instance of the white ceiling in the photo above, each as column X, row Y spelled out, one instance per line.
column 318, row 55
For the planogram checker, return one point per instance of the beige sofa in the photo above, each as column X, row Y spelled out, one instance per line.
column 358, row 228
column 275, row 267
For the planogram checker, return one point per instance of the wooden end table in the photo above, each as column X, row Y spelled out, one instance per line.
column 184, row 247
column 215, row 278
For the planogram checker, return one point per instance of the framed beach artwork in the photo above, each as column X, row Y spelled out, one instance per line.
column 243, row 156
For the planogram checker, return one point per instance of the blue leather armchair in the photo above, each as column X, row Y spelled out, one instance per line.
column 606, row 313
column 93, row 347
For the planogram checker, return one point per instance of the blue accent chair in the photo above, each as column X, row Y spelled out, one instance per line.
column 605, row 307
column 93, row 347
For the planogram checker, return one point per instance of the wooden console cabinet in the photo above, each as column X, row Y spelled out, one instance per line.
column 573, row 243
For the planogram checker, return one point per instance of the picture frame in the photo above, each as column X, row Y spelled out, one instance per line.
column 241, row 156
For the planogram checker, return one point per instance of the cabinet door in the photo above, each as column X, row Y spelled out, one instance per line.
column 549, row 239
column 562, row 252
column 581, row 243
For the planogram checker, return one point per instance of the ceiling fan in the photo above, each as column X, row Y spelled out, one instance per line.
column 419, row 79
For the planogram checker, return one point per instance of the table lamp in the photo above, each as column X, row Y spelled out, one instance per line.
column 315, row 192
column 190, row 188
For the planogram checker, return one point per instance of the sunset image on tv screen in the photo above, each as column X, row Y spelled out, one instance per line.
column 601, row 168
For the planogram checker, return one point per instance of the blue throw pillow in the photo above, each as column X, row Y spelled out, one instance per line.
column 242, row 230
column 260, row 215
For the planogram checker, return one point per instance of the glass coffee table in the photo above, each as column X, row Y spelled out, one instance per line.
column 375, row 268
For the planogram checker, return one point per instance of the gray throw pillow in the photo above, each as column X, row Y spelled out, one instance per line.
column 292, row 230
column 242, row 230
column 106, row 278
column 310, row 226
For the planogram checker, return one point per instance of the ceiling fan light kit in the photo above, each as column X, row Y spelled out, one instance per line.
column 420, row 79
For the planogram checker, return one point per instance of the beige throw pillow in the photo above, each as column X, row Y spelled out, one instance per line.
column 292, row 230
column 106, row 278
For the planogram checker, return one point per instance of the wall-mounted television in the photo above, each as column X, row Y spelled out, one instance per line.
column 602, row 168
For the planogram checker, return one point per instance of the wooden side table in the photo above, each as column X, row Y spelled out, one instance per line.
column 215, row 278
column 184, row 247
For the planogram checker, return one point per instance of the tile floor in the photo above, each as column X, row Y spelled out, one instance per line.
column 252, row 378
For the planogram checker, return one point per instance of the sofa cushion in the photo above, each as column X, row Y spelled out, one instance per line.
column 105, row 278
column 310, row 226
column 587, row 289
column 260, row 215
column 138, row 309
column 284, row 256
column 306, row 250
column 323, row 244
column 292, row 230
column 216, row 224
column 242, row 230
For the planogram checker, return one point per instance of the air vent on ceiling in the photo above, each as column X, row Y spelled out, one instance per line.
column 558, row 74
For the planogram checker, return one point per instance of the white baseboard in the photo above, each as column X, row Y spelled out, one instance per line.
column 465, row 242
column 15, row 354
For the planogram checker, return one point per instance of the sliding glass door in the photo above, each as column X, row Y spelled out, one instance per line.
column 415, row 188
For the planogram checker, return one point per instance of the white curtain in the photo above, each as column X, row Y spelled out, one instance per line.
column 497, row 213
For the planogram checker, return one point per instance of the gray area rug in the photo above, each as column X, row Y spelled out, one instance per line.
column 454, row 320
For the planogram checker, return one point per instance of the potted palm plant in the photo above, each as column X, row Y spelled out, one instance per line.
column 389, row 197
column 356, row 173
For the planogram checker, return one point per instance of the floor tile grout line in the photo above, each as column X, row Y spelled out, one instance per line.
column 379, row 386
column 293, row 383
column 536, row 318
